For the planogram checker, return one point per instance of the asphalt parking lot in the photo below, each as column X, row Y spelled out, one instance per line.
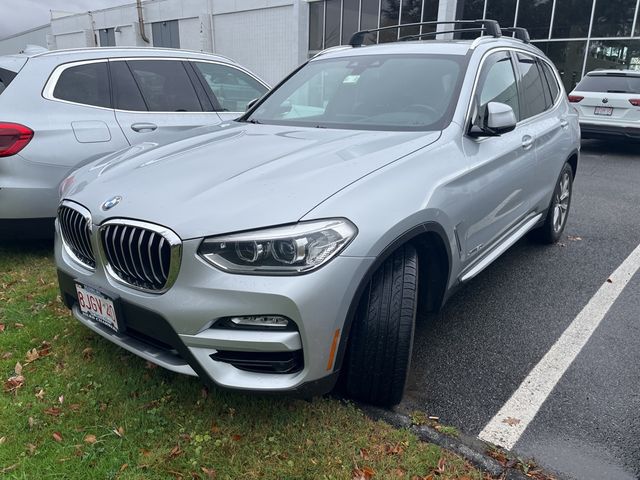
column 470, row 358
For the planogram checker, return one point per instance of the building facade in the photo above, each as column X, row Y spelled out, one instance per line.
column 271, row 37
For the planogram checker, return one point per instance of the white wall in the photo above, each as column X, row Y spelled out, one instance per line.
column 261, row 40
column 17, row 43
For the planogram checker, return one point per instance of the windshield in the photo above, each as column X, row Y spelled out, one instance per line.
column 610, row 84
column 367, row 92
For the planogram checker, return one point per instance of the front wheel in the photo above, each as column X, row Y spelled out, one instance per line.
column 382, row 335
column 556, row 220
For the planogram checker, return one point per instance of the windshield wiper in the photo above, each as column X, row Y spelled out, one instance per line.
column 254, row 121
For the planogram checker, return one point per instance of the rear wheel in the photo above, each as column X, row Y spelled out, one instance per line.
column 382, row 334
column 556, row 220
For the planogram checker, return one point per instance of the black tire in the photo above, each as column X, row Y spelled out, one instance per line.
column 382, row 334
column 550, row 232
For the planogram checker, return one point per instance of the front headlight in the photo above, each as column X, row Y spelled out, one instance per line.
column 288, row 250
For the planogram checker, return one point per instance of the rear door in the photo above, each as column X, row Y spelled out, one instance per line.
column 78, row 123
column 157, row 99
column 500, row 167
column 231, row 88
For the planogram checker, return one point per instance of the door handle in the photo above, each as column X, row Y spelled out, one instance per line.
column 143, row 127
column 527, row 142
column 564, row 123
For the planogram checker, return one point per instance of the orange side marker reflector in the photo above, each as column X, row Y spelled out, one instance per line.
column 332, row 352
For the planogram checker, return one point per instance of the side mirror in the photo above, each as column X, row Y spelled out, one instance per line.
column 251, row 103
column 498, row 118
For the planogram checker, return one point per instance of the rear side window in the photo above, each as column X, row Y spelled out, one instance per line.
column 126, row 94
column 232, row 88
column 6, row 76
column 498, row 83
column 87, row 84
column 165, row 85
column 533, row 90
column 552, row 81
column 612, row 83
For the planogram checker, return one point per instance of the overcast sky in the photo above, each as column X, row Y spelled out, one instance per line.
column 19, row 15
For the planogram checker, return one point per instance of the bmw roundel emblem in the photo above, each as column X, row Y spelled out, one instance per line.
column 605, row 100
column 112, row 202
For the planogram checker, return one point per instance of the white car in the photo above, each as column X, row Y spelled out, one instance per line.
column 608, row 103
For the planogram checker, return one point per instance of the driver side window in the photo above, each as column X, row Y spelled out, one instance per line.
column 498, row 84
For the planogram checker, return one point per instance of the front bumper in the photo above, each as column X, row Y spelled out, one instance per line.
column 175, row 329
column 604, row 132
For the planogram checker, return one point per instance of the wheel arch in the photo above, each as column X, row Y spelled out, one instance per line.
column 573, row 161
column 432, row 245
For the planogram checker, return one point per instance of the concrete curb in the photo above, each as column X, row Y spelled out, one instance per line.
column 469, row 448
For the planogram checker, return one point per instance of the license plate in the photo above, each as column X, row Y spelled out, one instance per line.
column 604, row 111
column 96, row 306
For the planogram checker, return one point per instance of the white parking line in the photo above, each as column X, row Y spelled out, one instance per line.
column 506, row 427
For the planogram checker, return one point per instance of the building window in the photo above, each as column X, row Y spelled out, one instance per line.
column 535, row 17
column 568, row 57
column 350, row 18
column 504, row 11
column 107, row 37
column 165, row 34
column 614, row 54
column 316, row 25
column 613, row 18
column 333, row 22
column 571, row 18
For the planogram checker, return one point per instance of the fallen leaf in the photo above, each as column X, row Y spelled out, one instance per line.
column 57, row 436
column 364, row 454
column 40, row 394
column 31, row 448
column 32, row 355
column 574, row 238
column 394, row 449
column 123, row 467
column 18, row 325
column 2, row 327
column 144, row 452
column 87, row 353
column 398, row 472
column 53, row 411
column 61, row 399
column 9, row 468
column 214, row 428
column 74, row 406
column 236, row 437
column 441, row 464
column 364, row 473
column 31, row 422
column 7, row 355
column 175, row 451
column 13, row 383
column 209, row 472
column 2, row 440
column 119, row 432
column 90, row 438
column 511, row 421
column 18, row 369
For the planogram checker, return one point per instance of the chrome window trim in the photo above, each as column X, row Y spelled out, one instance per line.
column 175, row 244
column 50, row 85
column 467, row 117
column 87, row 216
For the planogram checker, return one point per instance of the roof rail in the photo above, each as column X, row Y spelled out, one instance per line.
column 492, row 28
column 520, row 33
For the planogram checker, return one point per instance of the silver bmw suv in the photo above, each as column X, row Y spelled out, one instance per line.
column 296, row 244
column 61, row 108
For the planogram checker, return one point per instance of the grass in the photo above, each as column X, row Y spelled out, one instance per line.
column 86, row 409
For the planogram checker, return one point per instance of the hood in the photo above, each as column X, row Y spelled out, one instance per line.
column 235, row 176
